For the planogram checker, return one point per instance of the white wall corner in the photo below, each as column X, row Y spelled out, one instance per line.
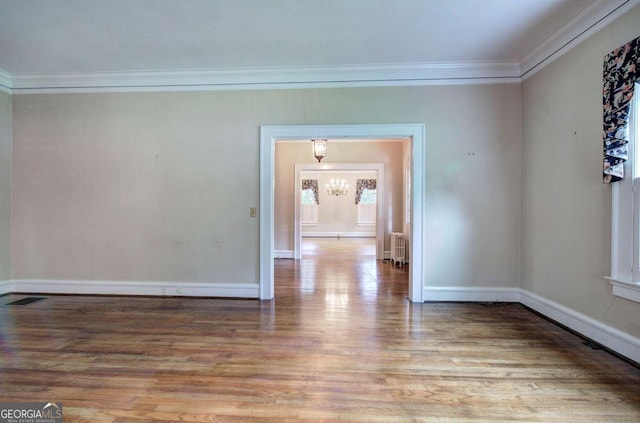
column 472, row 294
column 186, row 289
column 283, row 254
column 614, row 339
column 5, row 82
column 5, row 287
column 582, row 26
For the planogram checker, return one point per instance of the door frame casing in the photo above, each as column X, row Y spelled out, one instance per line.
column 268, row 137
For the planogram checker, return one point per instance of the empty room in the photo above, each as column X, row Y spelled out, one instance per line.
column 319, row 211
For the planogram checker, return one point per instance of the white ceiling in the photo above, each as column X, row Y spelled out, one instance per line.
column 75, row 43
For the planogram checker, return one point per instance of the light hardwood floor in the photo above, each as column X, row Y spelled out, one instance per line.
column 339, row 343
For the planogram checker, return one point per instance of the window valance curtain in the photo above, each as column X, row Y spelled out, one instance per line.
column 620, row 75
column 312, row 184
column 362, row 184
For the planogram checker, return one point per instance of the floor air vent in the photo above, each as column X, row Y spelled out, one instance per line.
column 26, row 301
column 592, row 345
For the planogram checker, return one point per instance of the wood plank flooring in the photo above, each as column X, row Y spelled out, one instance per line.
column 339, row 343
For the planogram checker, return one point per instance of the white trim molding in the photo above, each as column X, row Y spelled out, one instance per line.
column 283, row 254
column 5, row 287
column 270, row 78
column 625, row 289
column 186, row 289
column 578, row 29
column 613, row 339
column 471, row 294
column 582, row 26
column 416, row 133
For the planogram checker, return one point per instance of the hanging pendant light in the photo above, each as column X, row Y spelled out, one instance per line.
column 319, row 149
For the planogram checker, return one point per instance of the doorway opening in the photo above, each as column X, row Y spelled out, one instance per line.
column 268, row 137
column 348, row 228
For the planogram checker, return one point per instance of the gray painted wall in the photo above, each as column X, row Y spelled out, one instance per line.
column 566, row 228
column 5, row 186
column 158, row 186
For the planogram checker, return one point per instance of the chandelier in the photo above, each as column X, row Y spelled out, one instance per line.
column 319, row 149
column 337, row 187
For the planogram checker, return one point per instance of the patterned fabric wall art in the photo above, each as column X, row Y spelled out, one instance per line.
column 620, row 75
column 362, row 184
column 312, row 184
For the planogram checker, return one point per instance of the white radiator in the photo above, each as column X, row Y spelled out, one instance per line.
column 398, row 248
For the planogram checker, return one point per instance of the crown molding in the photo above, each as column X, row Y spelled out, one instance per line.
column 578, row 29
column 582, row 26
column 270, row 78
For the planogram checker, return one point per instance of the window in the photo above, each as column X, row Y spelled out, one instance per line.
column 367, row 207
column 309, row 200
column 309, row 215
column 309, row 209
column 308, row 197
column 366, row 199
column 369, row 196
column 625, row 225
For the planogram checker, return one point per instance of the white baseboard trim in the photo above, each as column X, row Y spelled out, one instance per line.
column 283, row 254
column 614, row 339
column 492, row 294
column 186, row 289
column 386, row 255
column 611, row 338
column 339, row 234
column 5, row 287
